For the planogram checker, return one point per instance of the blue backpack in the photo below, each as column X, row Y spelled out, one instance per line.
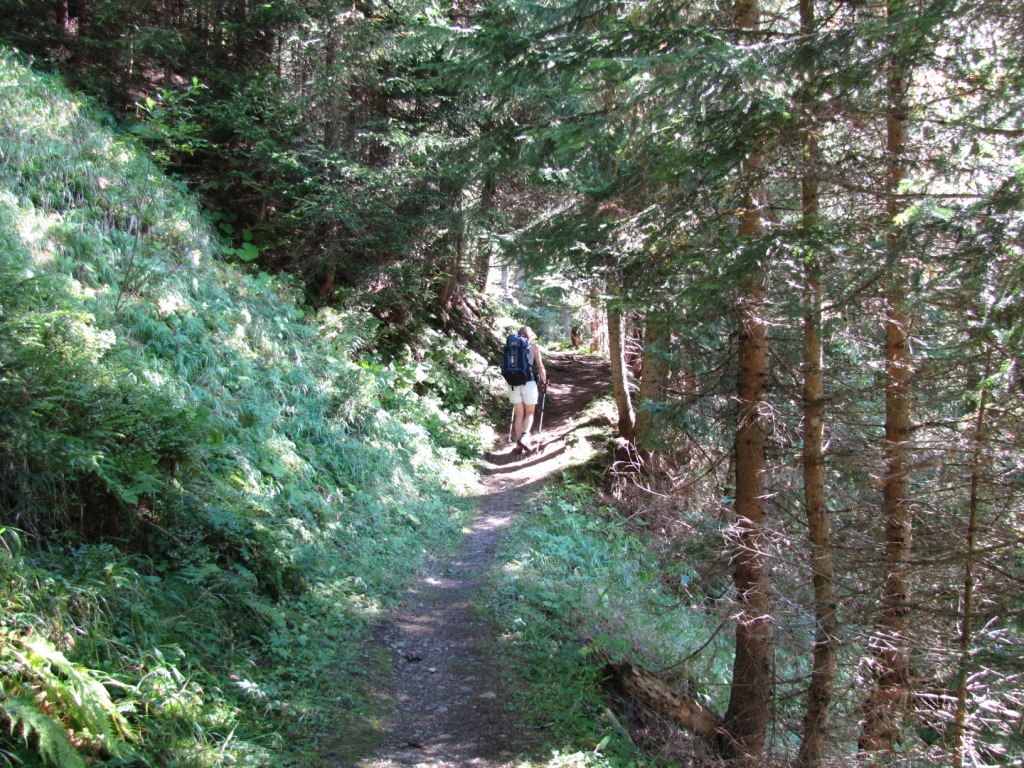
column 515, row 362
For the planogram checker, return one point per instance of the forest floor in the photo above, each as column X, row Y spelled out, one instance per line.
column 450, row 703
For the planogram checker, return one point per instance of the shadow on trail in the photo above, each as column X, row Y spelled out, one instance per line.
column 574, row 382
column 513, row 463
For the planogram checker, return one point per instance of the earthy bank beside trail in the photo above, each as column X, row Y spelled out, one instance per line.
column 450, row 705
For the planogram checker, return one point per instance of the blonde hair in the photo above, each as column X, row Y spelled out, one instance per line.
column 527, row 331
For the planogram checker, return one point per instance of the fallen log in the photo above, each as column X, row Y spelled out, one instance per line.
column 657, row 695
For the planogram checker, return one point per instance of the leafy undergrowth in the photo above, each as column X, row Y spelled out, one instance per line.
column 206, row 494
column 579, row 587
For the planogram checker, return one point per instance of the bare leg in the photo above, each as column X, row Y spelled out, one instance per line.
column 517, row 421
column 527, row 420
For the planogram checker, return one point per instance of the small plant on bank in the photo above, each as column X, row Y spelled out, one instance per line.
column 577, row 589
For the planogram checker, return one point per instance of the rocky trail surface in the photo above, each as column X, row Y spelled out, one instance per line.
column 450, row 706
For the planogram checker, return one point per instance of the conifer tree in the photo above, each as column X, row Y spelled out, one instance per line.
column 750, row 693
column 889, row 664
column 820, row 691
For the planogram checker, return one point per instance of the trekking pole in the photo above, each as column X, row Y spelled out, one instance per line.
column 511, row 422
column 543, row 402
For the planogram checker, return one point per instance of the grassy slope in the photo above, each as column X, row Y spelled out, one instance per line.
column 205, row 496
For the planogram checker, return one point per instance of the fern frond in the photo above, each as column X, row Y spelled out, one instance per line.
column 196, row 574
column 39, row 732
column 84, row 699
column 269, row 613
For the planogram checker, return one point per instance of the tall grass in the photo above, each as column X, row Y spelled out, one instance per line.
column 578, row 587
column 206, row 495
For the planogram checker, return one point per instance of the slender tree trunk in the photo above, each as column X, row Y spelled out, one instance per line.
column 484, row 251
column 596, row 342
column 652, row 383
column 746, row 720
column 451, row 266
column 821, row 690
column 750, row 694
column 334, row 119
column 168, row 25
column 616, row 350
column 327, row 284
column 887, row 699
column 967, row 606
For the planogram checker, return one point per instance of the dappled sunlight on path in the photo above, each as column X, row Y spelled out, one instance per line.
column 451, row 708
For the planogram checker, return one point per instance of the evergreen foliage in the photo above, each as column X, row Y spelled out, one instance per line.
column 303, row 126
column 646, row 118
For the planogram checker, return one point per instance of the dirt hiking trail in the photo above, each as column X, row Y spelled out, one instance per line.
column 450, row 705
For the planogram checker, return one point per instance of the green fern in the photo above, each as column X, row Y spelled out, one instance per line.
column 198, row 573
column 269, row 613
column 101, row 717
column 39, row 732
column 75, row 693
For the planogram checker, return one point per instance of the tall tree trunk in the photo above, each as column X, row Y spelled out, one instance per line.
column 168, row 25
column 887, row 699
column 596, row 340
column 750, row 695
column 652, row 382
column 617, row 352
column 450, row 269
column 334, row 118
column 327, row 283
column 451, row 265
column 821, row 690
column 746, row 720
column 484, row 252
column 967, row 599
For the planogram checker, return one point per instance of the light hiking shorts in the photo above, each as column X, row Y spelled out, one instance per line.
column 525, row 393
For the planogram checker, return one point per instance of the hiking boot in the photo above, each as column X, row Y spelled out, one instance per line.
column 524, row 449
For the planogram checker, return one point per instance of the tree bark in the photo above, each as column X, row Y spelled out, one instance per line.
column 484, row 252
column 327, row 283
column 750, row 694
column 746, row 720
column 616, row 350
column 652, row 383
column 334, row 120
column 967, row 600
column 169, row 62
column 451, row 266
column 820, row 692
column 889, row 664
column 596, row 340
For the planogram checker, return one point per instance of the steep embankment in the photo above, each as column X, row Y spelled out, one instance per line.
column 451, row 708
column 203, row 496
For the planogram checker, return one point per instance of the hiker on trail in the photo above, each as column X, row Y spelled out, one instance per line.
column 525, row 396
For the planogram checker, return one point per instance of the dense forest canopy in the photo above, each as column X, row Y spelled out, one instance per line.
column 802, row 224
